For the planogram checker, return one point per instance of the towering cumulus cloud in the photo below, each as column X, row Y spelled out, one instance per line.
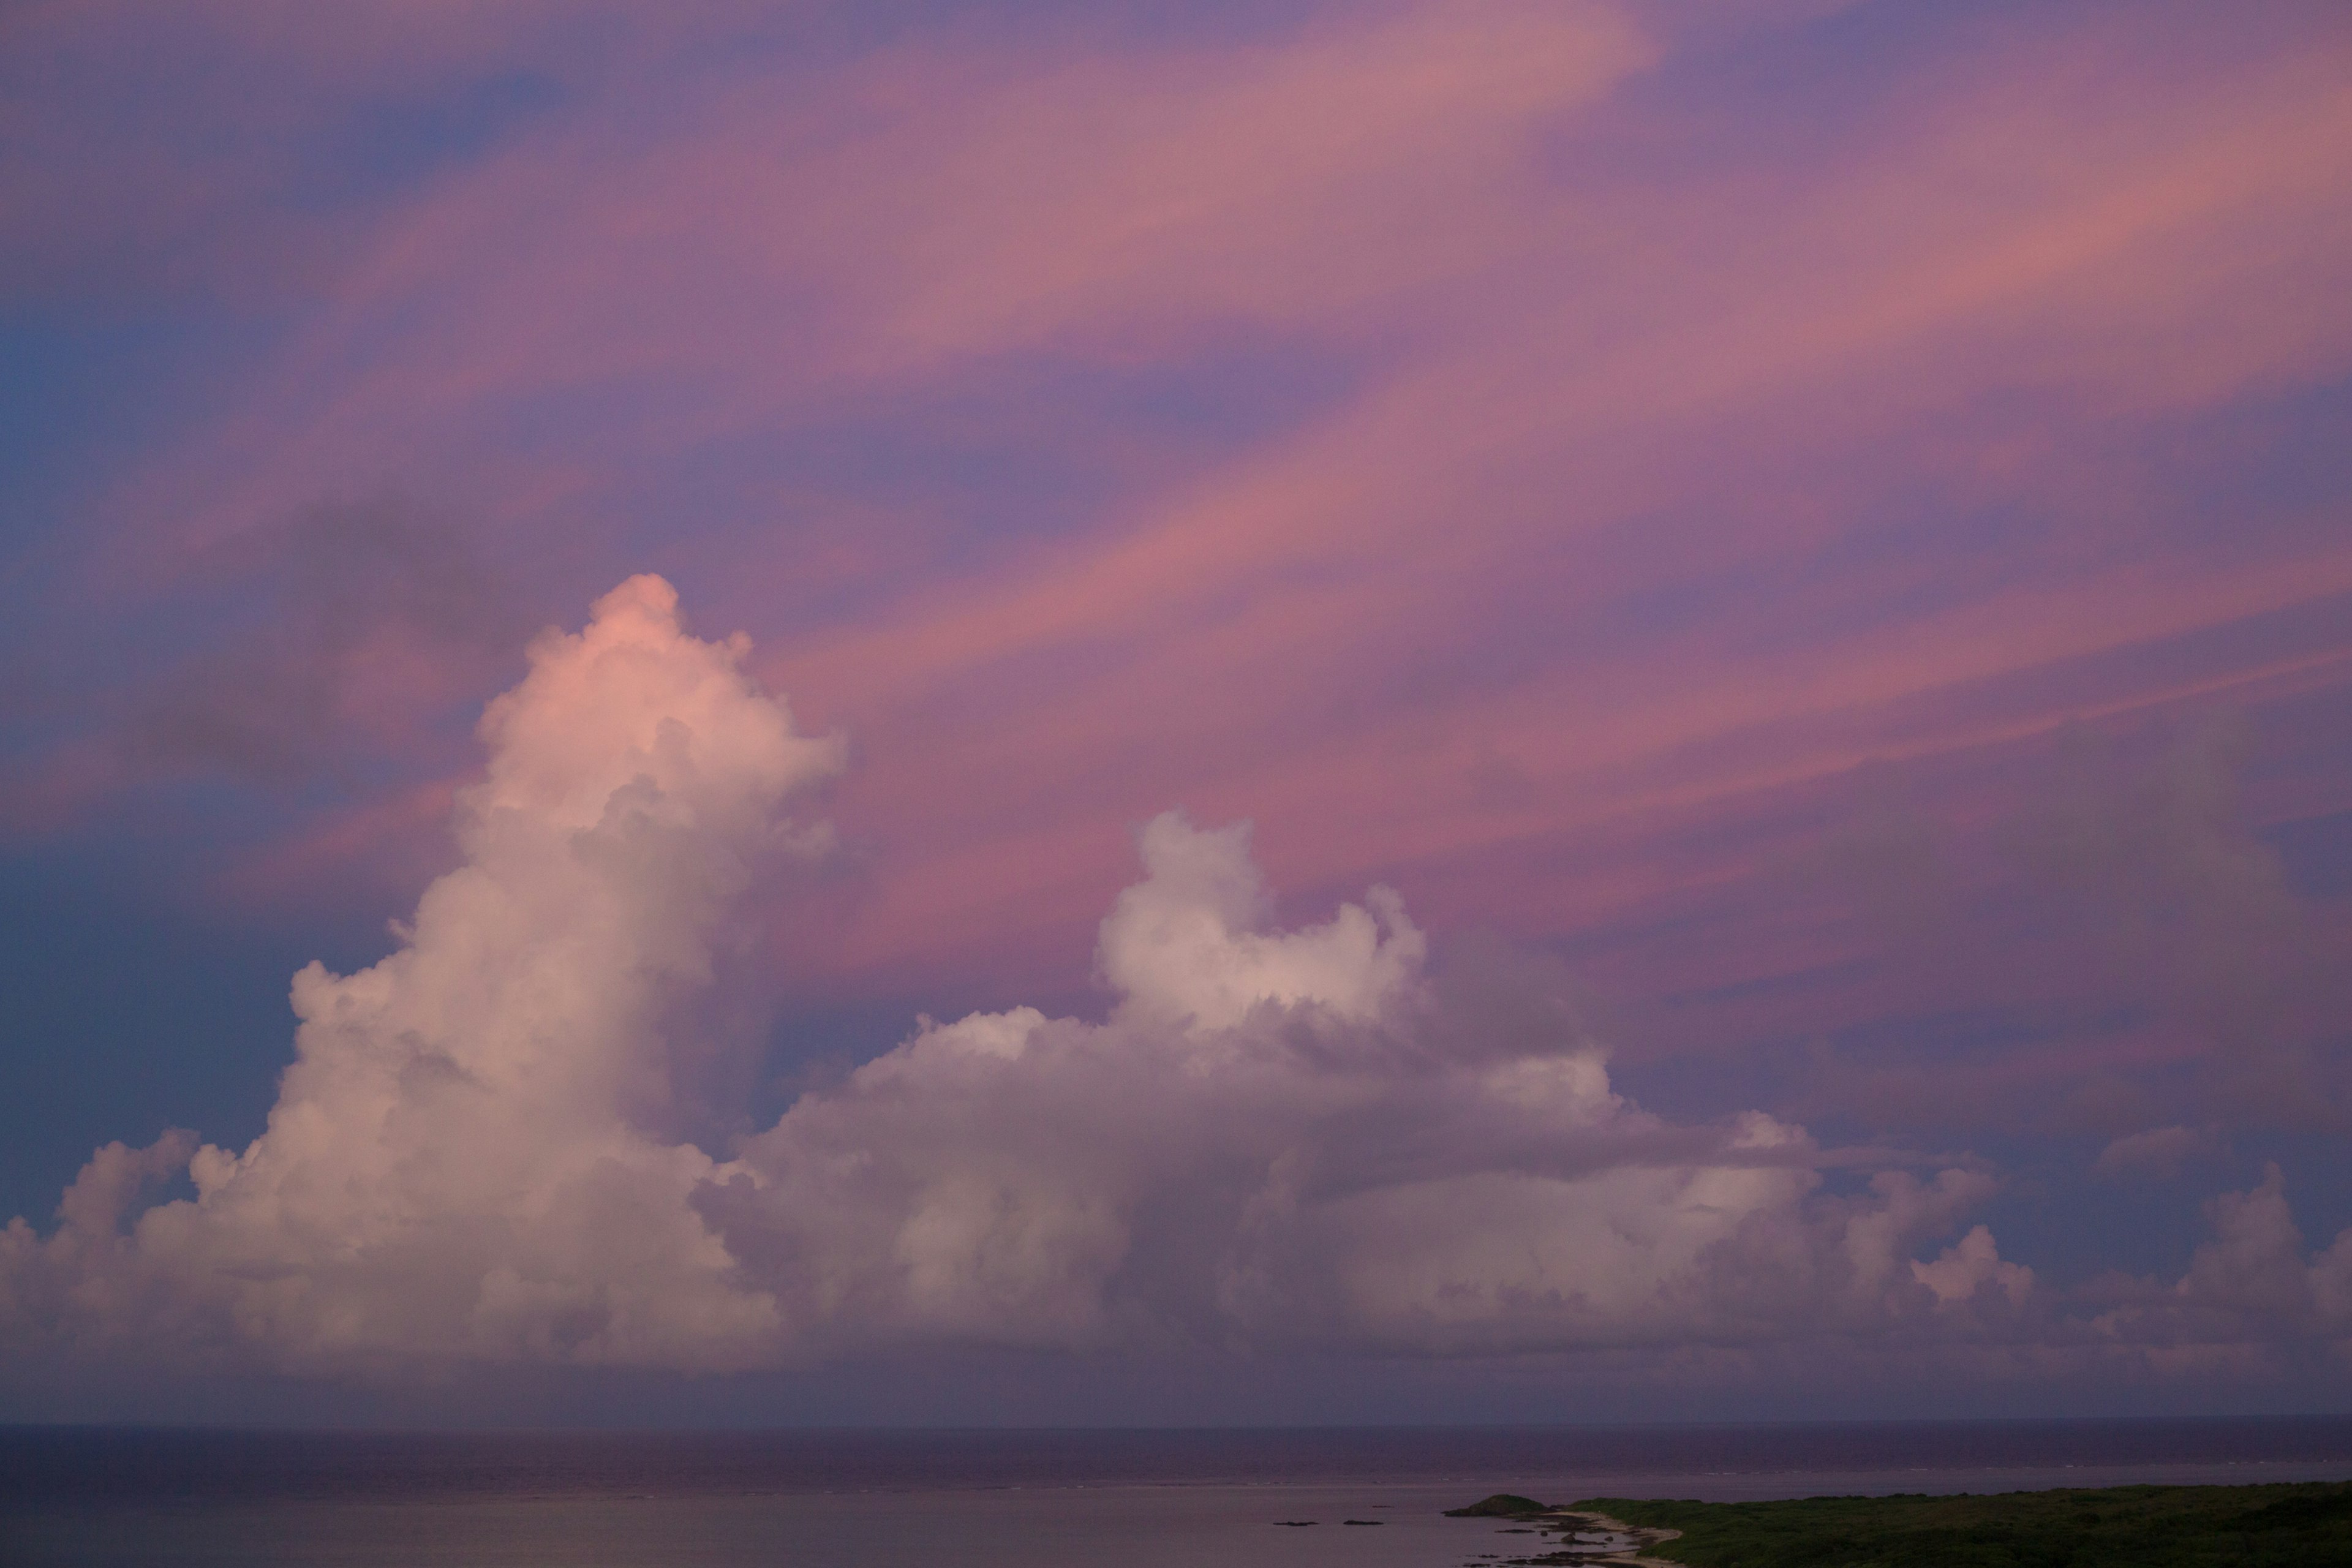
column 457, row 1164
column 1273, row 1138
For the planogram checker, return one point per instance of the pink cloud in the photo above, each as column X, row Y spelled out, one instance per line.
column 482, row 1152
column 488, row 1150
column 1605, row 530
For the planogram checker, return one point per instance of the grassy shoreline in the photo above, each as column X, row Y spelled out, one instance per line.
column 2300, row 1525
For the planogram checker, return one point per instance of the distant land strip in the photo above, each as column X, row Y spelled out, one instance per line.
column 2265, row 1526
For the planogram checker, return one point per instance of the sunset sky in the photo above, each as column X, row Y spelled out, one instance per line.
column 1772, row 580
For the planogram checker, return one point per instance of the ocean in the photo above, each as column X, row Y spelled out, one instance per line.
column 1188, row 1499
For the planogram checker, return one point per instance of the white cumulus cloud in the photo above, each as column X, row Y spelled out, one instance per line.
column 457, row 1165
column 1272, row 1138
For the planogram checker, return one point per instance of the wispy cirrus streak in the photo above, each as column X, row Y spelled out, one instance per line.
column 1831, row 521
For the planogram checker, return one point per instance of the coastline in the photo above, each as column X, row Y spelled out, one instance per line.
column 1621, row 1544
column 1636, row 1556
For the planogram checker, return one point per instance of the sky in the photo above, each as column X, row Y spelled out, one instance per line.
column 1030, row 713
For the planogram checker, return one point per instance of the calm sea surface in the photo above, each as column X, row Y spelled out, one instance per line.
column 997, row 1500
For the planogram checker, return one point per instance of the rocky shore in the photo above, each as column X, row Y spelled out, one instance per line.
column 1576, row 1536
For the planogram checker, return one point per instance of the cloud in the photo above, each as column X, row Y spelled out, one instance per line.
column 2186, row 901
column 1968, row 1266
column 1182, row 946
column 1274, row 1138
column 2156, row 896
column 372, row 612
column 1352, row 364
column 260, row 131
column 335, row 643
column 2251, row 1282
column 454, row 1166
column 490, row 1149
column 2160, row 1151
column 2094, row 936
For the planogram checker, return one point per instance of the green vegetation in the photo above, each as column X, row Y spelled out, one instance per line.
column 1502, row 1505
column 2121, row 1527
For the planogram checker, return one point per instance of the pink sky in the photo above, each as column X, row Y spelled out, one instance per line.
column 1831, row 521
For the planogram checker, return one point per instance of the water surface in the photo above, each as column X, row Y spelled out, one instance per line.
column 130, row 1499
